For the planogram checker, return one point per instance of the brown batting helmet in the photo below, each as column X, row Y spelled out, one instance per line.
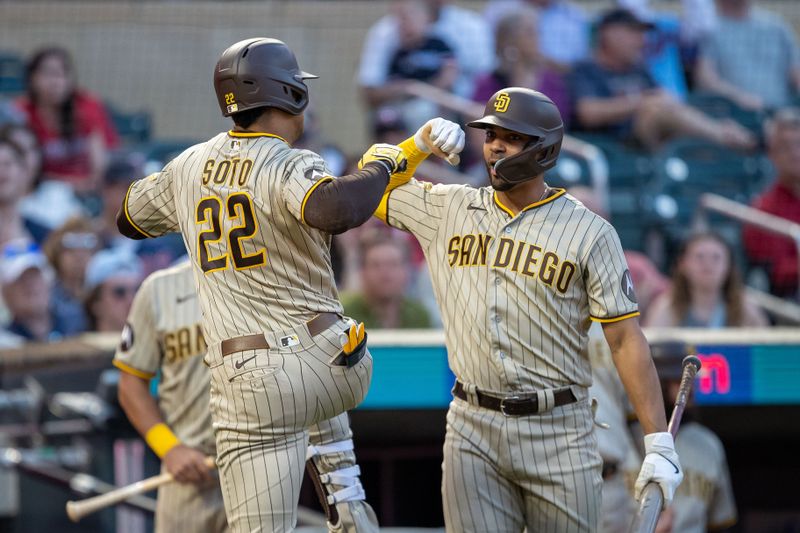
column 260, row 72
column 531, row 113
column 668, row 358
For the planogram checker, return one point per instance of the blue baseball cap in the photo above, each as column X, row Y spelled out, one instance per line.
column 20, row 255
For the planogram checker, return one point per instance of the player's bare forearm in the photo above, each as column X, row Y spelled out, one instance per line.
column 137, row 402
column 631, row 355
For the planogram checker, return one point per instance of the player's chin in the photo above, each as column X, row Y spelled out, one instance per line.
column 499, row 184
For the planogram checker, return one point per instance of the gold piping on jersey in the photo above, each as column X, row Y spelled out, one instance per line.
column 305, row 198
column 232, row 133
column 559, row 192
column 132, row 371
column 128, row 216
column 615, row 318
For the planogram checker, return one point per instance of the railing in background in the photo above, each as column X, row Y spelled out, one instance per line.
column 598, row 166
column 749, row 215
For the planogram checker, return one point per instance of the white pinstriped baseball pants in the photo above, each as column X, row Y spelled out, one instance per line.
column 262, row 412
column 504, row 474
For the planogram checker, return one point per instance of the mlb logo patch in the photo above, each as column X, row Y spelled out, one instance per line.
column 289, row 341
column 233, row 108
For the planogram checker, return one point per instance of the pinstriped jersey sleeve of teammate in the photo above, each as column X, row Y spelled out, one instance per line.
column 139, row 352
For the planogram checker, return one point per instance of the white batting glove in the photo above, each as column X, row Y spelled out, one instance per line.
column 445, row 135
column 660, row 465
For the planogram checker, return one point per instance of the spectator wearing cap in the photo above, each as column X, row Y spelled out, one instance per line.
column 26, row 288
column 614, row 94
column 385, row 274
column 778, row 254
column 69, row 249
column 704, row 501
column 112, row 277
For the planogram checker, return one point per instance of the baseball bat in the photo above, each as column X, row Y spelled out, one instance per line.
column 453, row 159
column 650, row 505
column 78, row 509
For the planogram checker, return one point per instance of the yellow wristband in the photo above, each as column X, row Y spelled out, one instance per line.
column 161, row 439
column 414, row 156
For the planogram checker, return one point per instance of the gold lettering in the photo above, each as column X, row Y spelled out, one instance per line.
column 505, row 247
column 209, row 166
column 169, row 347
column 466, row 249
column 480, row 253
column 201, row 339
column 530, row 260
column 222, row 172
column 247, row 167
column 565, row 276
column 184, row 343
column 547, row 272
column 452, row 249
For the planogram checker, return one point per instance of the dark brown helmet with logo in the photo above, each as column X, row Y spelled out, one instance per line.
column 531, row 113
column 260, row 72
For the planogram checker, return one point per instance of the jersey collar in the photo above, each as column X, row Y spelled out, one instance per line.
column 232, row 133
column 509, row 212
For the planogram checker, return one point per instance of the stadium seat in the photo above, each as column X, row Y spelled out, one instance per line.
column 720, row 107
column 12, row 74
column 158, row 153
column 572, row 170
column 133, row 128
column 631, row 172
column 688, row 168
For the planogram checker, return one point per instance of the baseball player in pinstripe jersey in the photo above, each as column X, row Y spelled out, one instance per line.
column 519, row 270
column 257, row 216
column 163, row 334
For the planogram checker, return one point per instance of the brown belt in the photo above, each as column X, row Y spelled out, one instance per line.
column 257, row 341
column 512, row 405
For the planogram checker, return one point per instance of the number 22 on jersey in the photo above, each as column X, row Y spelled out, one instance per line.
column 239, row 209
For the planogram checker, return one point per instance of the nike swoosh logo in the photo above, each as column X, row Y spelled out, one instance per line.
column 471, row 207
column 181, row 299
column 240, row 364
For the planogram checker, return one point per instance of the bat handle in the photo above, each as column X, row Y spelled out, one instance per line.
column 453, row 159
column 649, row 509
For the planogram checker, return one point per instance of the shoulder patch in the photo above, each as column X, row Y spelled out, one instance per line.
column 627, row 286
column 126, row 341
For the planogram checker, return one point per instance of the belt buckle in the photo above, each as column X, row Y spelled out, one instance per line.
column 503, row 403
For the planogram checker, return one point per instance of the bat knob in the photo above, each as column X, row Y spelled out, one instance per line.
column 692, row 360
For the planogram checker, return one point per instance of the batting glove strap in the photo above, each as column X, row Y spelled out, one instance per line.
column 661, row 465
column 390, row 155
column 445, row 135
column 333, row 447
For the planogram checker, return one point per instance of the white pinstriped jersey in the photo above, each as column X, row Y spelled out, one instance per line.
column 238, row 200
column 516, row 292
column 163, row 334
column 704, row 500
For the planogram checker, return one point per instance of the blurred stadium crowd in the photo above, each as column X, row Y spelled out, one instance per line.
column 701, row 99
column 661, row 108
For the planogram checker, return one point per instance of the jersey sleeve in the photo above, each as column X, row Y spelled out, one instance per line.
column 150, row 204
column 722, row 509
column 139, row 352
column 304, row 173
column 609, row 284
column 416, row 207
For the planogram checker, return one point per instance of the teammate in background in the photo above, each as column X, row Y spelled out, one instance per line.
column 704, row 501
column 257, row 218
column 163, row 335
column 519, row 269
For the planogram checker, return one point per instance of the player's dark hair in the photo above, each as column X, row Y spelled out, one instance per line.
column 67, row 110
column 245, row 119
column 732, row 287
